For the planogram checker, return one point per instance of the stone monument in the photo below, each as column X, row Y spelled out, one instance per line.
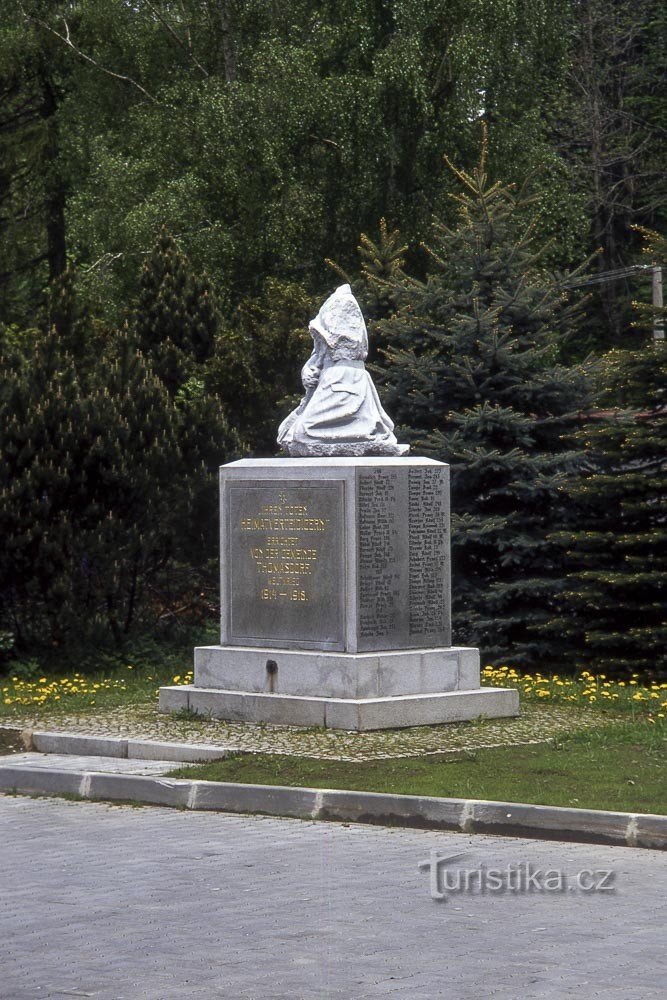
column 335, row 568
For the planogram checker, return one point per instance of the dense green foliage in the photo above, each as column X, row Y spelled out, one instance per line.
column 610, row 132
column 268, row 137
column 611, row 615
column 173, row 180
column 106, row 480
column 471, row 371
column 177, row 318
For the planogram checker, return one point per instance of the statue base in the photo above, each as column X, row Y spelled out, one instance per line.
column 357, row 691
column 350, row 449
column 335, row 593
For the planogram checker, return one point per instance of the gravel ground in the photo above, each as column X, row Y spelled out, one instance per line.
column 536, row 724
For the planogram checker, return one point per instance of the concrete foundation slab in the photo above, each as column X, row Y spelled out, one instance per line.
column 343, row 713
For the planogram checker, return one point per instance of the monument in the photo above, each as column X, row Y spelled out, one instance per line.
column 335, row 568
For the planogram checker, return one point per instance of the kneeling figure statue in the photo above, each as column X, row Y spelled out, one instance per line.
column 341, row 413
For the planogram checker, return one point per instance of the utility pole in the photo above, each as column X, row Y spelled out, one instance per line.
column 658, row 316
column 624, row 272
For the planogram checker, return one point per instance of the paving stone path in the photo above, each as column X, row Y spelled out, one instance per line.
column 121, row 903
column 105, row 765
column 535, row 724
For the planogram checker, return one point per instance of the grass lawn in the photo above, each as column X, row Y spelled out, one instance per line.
column 64, row 686
column 621, row 767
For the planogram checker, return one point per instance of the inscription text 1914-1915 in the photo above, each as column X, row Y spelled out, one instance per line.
column 287, row 557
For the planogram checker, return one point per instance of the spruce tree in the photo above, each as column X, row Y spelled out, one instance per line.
column 381, row 271
column 471, row 373
column 611, row 614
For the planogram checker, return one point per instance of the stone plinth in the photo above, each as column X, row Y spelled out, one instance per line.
column 335, row 600
column 347, row 554
column 337, row 675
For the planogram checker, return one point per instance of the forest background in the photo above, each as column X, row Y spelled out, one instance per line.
column 182, row 183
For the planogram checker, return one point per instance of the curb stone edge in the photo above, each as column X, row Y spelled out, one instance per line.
column 510, row 819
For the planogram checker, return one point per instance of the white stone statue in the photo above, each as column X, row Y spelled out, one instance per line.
column 341, row 413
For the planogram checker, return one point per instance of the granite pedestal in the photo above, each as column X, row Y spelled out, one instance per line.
column 335, row 600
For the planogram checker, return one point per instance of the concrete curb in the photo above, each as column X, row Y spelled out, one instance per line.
column 107, row 746
column 510, row 819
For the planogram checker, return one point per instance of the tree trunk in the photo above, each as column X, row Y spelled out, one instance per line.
column 54, row 187
column 228, row 47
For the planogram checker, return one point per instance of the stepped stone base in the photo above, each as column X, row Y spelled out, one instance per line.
column 316, row 673
column 358, row 714
column 355, row 691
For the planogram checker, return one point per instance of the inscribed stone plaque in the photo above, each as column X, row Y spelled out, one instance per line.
column 403, row 557
column 285, row 572
column 428, row 545
column 382, row 558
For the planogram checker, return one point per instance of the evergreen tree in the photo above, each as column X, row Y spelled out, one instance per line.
column 257, row 360
column 381, row 271
column 177, row 318
column 609, row 137
column 108, row 483
column 178, row 327
column 471, row 373
column 611, row 615
column 66, row 314
column 90, row 467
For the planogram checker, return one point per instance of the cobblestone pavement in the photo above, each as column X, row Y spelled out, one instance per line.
column 536, row 724
column 120, row 903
